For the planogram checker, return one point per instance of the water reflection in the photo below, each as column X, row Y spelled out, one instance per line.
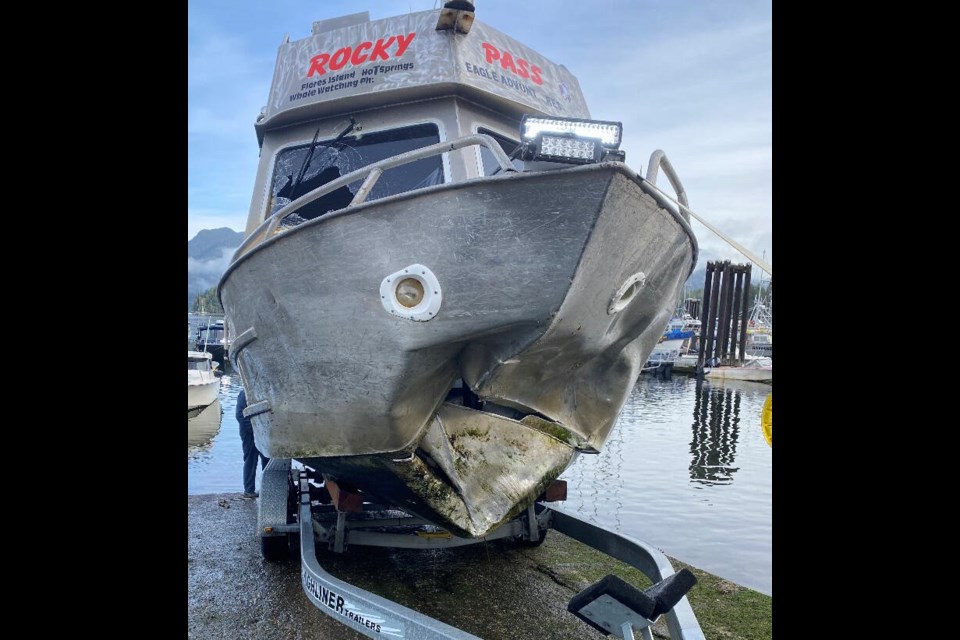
column 716, row 419
column 202, row 425
column 652, row 480
column 595, row 483
column 217, row 466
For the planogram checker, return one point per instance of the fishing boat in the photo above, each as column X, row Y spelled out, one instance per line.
column 760, row 326
column 685, row 322
column 212, row 338
column 679, row 339
column 759, row 341
column 450, row 277
column 673, row 344
column 203, row 384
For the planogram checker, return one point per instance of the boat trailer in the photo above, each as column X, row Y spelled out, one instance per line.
column 293, row 511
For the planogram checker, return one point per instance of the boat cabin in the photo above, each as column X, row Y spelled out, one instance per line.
column 357, row 91
column 210, row 335
column 199, row 361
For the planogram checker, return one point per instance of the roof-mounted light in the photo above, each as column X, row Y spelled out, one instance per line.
column 609, row 133
column 456, row 15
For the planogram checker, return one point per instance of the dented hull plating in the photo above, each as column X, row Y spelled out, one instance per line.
column 555, row 288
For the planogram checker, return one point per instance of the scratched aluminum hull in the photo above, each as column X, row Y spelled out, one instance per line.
column 555, row 288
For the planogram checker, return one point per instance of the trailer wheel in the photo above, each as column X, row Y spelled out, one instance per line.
column 293, row 545
column 292, row 540
column 535, row 543
column 274, row 548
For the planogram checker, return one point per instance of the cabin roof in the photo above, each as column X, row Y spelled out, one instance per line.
column 355, row 64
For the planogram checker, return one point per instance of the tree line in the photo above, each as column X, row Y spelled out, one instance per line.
column 207, row 302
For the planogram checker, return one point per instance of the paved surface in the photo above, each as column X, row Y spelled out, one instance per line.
column 493, row 590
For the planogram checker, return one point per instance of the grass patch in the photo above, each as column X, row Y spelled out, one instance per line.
column 724, row 610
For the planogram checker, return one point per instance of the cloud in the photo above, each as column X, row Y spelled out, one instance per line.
column 228, row 83
column 703, row 96
column 206, row 273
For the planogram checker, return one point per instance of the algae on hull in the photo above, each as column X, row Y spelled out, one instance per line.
column 484, row 468
column 471, row 472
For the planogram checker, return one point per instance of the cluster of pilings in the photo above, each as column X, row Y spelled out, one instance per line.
column 692, row 306
column 726, row 309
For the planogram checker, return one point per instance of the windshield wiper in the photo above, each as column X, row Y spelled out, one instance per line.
column 313, row 146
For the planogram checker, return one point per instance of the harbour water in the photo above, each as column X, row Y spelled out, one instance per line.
column 686, row 468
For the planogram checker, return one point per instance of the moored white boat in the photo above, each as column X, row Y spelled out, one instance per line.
column 203, row 385
column 752, row 372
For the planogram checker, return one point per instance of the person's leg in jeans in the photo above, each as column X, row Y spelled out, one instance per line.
column 249, row 458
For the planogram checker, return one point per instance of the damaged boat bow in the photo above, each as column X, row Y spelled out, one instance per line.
column 417, row 314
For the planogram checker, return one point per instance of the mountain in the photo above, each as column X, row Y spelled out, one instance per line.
column 697, row 278
column 208, row 255
column 209, row 243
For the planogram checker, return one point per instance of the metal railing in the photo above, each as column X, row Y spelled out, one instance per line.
column 657, row 158
column 370, row 174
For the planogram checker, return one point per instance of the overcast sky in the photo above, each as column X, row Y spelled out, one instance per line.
column 693, row 78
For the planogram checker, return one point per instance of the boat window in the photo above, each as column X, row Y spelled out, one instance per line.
column 487, row 160
column 331, row 160
column 213, row 334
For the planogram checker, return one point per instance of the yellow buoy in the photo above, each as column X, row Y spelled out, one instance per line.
column 766, row 419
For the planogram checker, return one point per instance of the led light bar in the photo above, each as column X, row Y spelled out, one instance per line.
column 567, row 148
column 609, row 133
